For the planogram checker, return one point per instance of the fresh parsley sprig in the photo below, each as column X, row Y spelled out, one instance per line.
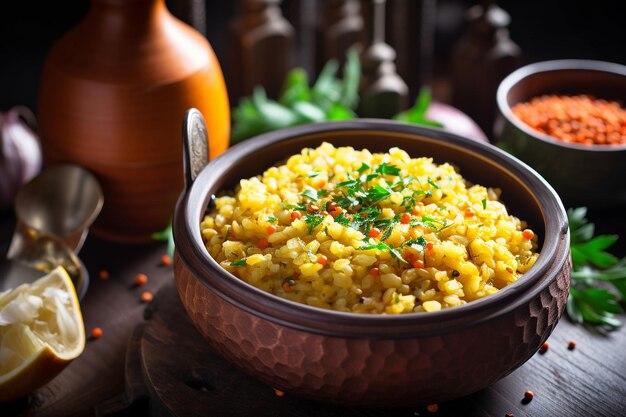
column 589, row 302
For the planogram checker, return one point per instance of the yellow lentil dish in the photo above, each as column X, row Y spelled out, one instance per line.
column 362, row 232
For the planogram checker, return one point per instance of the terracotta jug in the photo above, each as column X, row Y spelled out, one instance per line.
column 112, row 99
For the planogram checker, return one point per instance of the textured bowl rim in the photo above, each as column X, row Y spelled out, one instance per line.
column 190, row 248
column 554, row 66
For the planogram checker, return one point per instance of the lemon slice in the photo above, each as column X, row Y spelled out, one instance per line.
column 41, row 331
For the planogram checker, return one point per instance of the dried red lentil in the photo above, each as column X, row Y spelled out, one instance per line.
column 432, row 408
column 529, row 395
column 279, row 393
column 577, row 119
column 141, row 279
column 544, row 347
column 166, row 260
column 509, row 415
column 571, row 345
column 96, row 333
column 146, row 297
column 103, row 275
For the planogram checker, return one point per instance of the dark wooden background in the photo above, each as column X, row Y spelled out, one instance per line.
column 544, row 30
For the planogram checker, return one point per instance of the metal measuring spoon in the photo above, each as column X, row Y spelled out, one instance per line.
column 54, row 212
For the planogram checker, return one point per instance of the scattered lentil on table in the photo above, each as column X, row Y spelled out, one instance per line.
column 166, row 260
column 576, row 119
column 544, row 348
column 571, row 345
column 432, row 408
column 141, row 279
column 146, row 297
column 529, row 395
column 96, row 333
column 103, row 274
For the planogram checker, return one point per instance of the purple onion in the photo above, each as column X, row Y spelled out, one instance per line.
column 20, row 153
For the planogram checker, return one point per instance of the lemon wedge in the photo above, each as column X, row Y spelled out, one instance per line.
column 41, row 331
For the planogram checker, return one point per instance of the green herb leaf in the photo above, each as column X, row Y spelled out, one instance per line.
column 364, row 167
column 388, row 169
column 272, row 219
column 484, row 201
column 310, row 193
column 417, row 113
column 313, row 174
column 313, row 220
column 166, row 235
column 239, row 262
column 589, row 303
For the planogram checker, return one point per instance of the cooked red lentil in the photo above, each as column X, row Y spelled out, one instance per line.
column 577, row 119
column 349, row 230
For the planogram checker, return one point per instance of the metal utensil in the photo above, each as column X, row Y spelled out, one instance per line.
column 62, row 201
column 54, row 212
column 36, row 254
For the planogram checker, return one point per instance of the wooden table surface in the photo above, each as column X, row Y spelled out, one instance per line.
column 587, row 381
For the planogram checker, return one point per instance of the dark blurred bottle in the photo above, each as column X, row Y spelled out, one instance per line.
column 260, row 49
column 480, row 60
column 341, row 27
column 382, row 91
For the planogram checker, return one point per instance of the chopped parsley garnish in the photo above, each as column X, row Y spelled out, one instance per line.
column 239, row 262
column 313, row 174
column 388, row 169
column 484, row 201
column 418, row 243
column 272, row 219
column 433, row 183
column 313, row 220
column 383, row 246
column 290, row 206
column 364, row 167
column 342, row 219
column 310, row 193
column 376, row 194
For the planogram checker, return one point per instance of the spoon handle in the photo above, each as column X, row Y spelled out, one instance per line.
column 195, row 145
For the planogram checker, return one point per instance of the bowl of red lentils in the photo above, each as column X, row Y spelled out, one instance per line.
column 567, row 120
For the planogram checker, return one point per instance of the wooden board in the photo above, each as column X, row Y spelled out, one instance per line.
column 171, row 371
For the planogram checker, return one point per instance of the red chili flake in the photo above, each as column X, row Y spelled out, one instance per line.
column 374, row 232
column 263, row 243
column 279, row 393
column 103, row 275
column 418, row 263
column 270, row 229
column 405, row 218
column 332, row 206
column 141, row 279
column 528, row 234
column 96, row 333
column 295, row 215
column 166, row 260
column 529, row 395
column 469, row 212
column 375, row 272
column 544, row 348
column 324, row 213
column 322, row 259
column 432, row 408
column 146, row 297
column 571, row 345
column 312, row 208
column 509, row 269
column 336, row 211
column 288, row 285
column 430, row 246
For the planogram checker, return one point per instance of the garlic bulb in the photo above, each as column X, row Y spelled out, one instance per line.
column 20, row 153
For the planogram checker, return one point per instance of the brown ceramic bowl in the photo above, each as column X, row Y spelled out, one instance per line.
column 591, row 176
column 373, row 360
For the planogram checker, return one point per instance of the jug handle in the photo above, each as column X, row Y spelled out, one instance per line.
column 195, row 146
